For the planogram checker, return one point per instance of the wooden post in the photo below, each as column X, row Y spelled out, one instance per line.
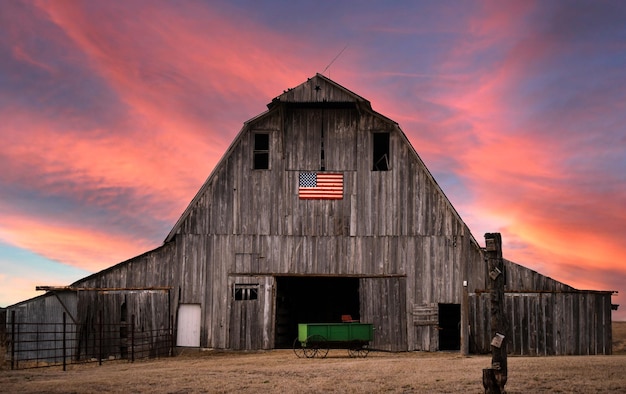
column 465, row 321
column 101, row 332
column 13, row 337
column 132, row 338
column 171, row 322
column 495, row 377
column 64, row 342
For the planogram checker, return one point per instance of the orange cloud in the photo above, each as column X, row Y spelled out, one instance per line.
column 59, row 160
column 70, row 244
column 178, row 60
column 15, row 289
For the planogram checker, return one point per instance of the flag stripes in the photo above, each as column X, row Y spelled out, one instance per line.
column 320, row 186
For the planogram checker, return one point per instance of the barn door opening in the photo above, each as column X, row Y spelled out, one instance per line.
column 188, row 327
column 449, row 326
column 312, row 300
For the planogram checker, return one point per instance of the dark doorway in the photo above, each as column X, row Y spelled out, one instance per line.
column 449, row 327
column 312, row 300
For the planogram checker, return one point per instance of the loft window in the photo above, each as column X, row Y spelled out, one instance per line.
column 246, row 292
column 261, row 151
column 380, row 145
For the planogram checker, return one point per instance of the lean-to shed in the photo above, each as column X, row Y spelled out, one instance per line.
column 320, row 208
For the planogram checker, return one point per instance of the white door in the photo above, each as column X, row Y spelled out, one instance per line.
column 188, row 333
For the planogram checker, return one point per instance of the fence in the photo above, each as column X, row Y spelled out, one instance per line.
column 36, row 345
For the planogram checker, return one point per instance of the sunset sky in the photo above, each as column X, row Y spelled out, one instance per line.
column 113, row 113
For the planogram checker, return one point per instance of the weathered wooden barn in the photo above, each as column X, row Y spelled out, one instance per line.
column 319, row 208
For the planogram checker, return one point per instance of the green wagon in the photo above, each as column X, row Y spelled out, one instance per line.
column 315, row 339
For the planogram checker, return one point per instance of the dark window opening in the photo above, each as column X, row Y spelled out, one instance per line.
column 381, row 151
column 123, row 312
column 246, row 292
column 261, row 151
column 323, row 159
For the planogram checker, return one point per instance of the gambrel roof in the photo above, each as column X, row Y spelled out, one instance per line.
column 316, row 91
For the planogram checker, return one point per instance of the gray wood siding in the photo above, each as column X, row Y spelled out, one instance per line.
column 519, row 278
column 382, row 305
column 402, row 201
column 150, row 309
column 41, row 335
column 546, row 317
column 547, row 323
column 317, row 90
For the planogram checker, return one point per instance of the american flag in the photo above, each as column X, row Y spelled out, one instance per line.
column 320, row 186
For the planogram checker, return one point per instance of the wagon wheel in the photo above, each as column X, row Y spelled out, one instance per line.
column 362, row 351
column 297, row 348
column 358, row 349
column 316, row 345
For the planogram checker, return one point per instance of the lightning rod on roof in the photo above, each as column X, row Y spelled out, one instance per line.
column 336, row 57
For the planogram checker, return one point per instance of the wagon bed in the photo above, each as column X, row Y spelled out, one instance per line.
column 315, row 339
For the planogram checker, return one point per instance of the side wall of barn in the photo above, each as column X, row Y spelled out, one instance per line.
column 545, row 317
column 38, row 326
column 146, row 287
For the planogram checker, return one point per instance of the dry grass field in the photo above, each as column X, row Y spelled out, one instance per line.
column 281, row 371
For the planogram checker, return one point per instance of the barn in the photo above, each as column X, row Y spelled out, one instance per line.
column 320, row 208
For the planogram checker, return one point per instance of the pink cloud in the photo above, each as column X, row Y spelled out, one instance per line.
column 55, row 159
column 178, row 58
column 71, row 244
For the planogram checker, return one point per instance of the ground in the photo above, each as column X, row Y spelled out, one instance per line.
column 281, row 371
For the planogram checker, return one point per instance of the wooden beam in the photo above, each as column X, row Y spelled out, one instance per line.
column 70, row 288
column 487, row 291
column 65, row 307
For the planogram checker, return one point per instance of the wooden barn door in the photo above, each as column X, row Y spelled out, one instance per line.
column 383, row 303
column 251, row 313
column 188, row 327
